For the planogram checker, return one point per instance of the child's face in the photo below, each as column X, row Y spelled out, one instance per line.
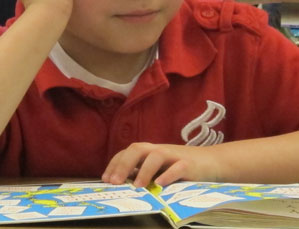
column 123, row 26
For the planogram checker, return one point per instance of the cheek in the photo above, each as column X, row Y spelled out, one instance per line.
column 86, row 12
column 86, row 16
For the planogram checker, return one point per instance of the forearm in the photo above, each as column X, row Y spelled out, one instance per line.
column 23, row 49
column 265, row 160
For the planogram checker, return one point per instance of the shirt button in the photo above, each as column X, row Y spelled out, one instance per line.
column 208, row 13
column 108, row 103
column 126, row 131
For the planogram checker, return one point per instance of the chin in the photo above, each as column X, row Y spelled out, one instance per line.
column 132, row 50
column 135, row 46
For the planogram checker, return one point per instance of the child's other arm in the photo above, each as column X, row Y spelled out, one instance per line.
column 25, row 46
column 263, row 160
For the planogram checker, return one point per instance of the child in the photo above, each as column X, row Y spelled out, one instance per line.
column 163, row 89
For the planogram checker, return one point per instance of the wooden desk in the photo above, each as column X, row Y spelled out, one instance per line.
column 268, row 1
column 140, row 222
column 145, row 222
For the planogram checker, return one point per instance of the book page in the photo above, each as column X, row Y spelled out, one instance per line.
column 274, row 207
column 56, row 202
column 187, row 199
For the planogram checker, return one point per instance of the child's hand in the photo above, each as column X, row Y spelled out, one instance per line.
column 169, row 162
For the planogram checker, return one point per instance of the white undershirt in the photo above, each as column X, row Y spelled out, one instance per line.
column 71, row 69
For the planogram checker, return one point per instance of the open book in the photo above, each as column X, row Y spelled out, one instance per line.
column 190, row 204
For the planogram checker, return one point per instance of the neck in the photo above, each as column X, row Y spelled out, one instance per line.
column 117, row 67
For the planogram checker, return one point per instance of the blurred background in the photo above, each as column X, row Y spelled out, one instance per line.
column 6, row 10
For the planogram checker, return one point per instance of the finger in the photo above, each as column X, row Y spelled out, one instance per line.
column 128, row 161
column 174, row 173
column 151, row 165
column 110, row 168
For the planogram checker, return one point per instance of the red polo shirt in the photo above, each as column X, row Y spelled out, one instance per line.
column 223, row 74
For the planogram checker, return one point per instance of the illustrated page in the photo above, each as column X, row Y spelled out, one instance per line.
column 42, row 203
column 186, row 199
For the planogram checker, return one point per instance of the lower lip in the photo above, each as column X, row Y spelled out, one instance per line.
column 138, row 18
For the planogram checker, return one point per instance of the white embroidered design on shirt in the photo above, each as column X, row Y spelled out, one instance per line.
column 207, row 136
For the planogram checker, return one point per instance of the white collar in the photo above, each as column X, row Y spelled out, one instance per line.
column 71, row 69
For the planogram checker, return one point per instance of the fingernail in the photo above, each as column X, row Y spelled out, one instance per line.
column 138, row 184
column 115, row 179
column 158, row 182
column 105, row 177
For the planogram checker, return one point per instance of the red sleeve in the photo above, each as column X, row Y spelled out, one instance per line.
column 11, row 149
column 276, row 84
column 2, row 30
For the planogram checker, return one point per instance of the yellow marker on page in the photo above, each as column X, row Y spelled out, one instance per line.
column 156, row 190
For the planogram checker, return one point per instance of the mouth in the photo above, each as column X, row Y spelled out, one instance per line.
column 141, row 16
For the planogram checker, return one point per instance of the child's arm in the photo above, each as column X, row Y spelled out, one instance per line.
column 264, row 160
column 25, row 46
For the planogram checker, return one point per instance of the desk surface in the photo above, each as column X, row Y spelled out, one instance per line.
column 268, row 1
column 146, row 222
